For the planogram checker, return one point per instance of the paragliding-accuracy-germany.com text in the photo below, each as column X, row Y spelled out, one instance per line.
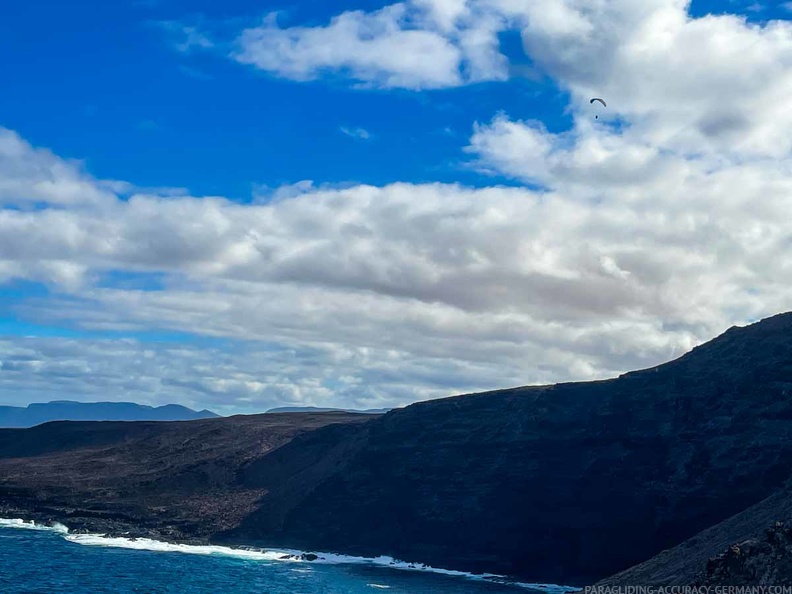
column 687, row 590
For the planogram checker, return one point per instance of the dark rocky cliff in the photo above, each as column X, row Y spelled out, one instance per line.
column 567, row 483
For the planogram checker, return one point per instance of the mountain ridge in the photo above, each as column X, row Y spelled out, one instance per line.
column 296, row 409
column 69, row 410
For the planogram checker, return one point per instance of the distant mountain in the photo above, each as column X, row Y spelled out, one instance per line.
column 313, row 409
column 67, row 410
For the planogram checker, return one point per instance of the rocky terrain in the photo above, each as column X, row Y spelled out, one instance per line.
column 174, row 480
column 569, row 483
column 763, row 561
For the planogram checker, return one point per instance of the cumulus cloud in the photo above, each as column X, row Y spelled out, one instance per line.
column 420, row 44
column 710, row 85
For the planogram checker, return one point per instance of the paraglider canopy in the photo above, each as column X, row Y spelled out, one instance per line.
column 593, row 99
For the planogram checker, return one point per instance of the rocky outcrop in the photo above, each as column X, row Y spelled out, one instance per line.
column 765, row 561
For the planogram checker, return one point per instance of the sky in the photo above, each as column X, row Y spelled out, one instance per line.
column 251, row 204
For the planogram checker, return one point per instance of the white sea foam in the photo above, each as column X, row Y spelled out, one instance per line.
column 30, row 525
column 271, row 555
column 380, row 586
column 147, row 544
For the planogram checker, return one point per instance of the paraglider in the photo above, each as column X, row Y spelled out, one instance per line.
column 593, row 99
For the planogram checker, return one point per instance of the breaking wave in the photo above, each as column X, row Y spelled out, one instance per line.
column 270, row 555
column 31, row 525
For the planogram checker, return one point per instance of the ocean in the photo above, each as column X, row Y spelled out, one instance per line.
column 42, row 560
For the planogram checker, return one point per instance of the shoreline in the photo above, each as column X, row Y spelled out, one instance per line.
column 130, row 541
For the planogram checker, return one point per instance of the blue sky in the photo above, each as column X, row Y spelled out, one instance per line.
column 154, row 94
column 90, row 78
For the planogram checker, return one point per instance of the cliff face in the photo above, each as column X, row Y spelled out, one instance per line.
column 567, row 483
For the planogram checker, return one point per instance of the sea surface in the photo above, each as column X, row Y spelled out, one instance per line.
column 36, row 559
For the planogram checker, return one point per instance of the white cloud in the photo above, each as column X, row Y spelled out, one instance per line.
column 360, row 133
column 426, row 44
column 715, row 84
column 32, row 176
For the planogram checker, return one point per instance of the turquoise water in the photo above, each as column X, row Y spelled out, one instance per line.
column 44, row 561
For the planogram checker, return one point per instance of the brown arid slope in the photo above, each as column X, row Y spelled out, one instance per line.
column 566, row 484
column 175, row 480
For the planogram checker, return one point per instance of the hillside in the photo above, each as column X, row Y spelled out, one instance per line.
column 161, row 479
column 67, row 410
column 568, row 483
